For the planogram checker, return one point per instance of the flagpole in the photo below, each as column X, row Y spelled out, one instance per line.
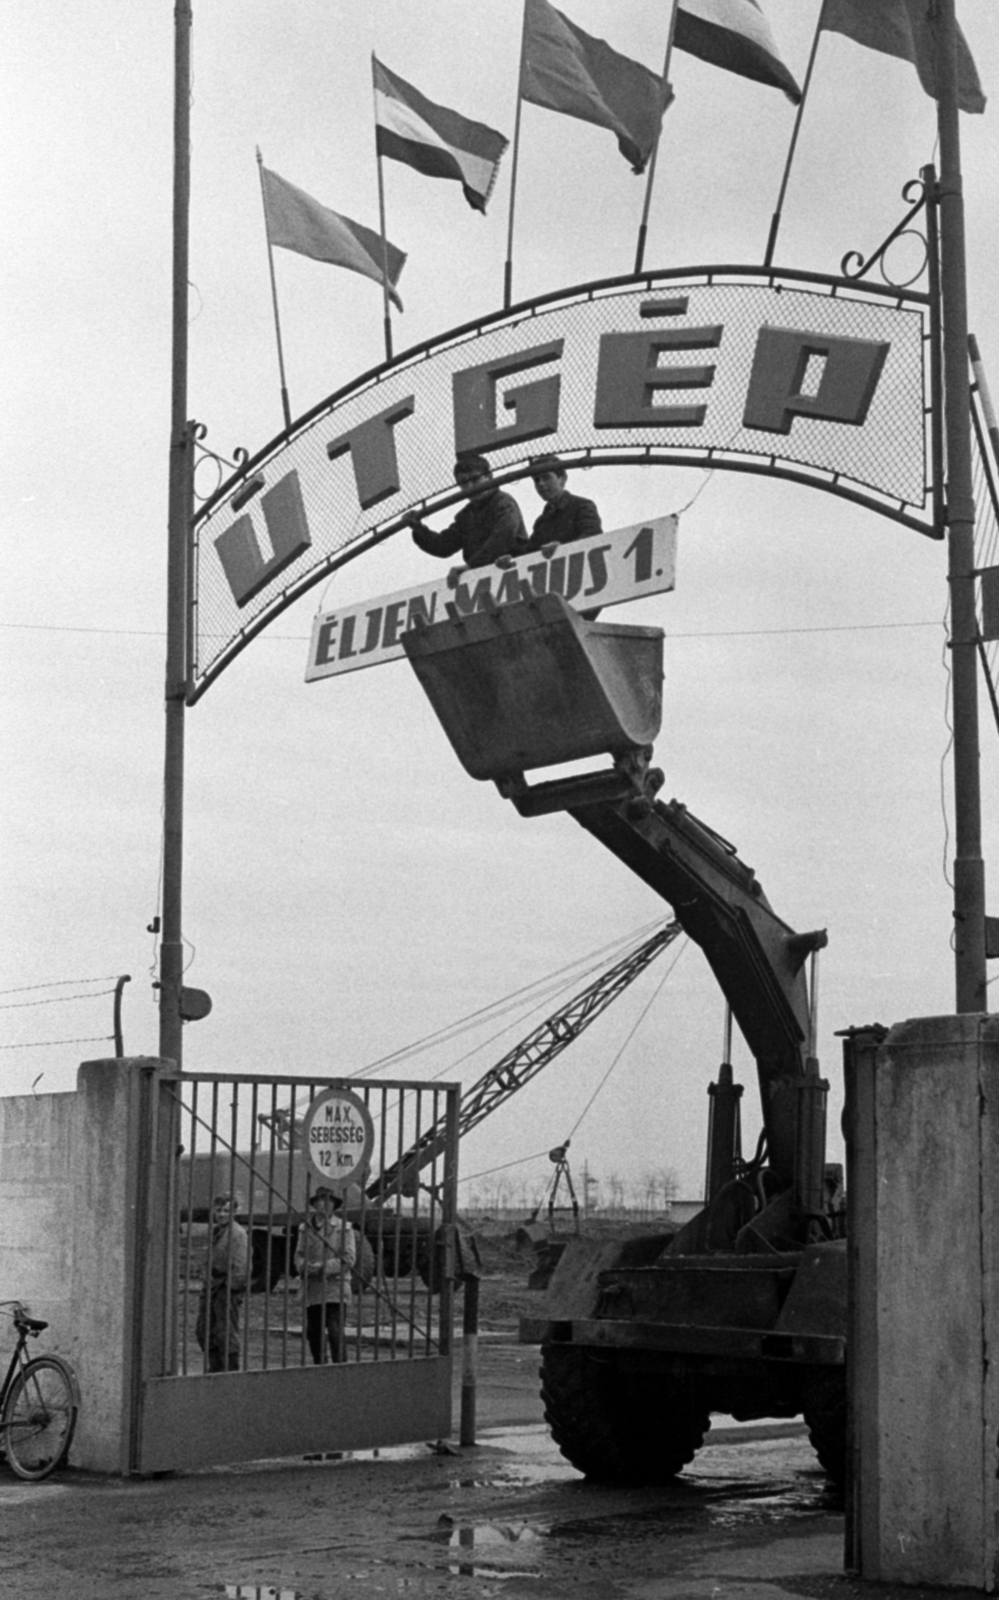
column 775, row 219
column 274, row 298
column 508, row 268
column 969, row 870
column 643, row 226
column 385, row 276
column 381, row 214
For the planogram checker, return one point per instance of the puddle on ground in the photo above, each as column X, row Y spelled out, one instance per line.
column 472, row 1569
column 534, row 1459
column 395, row 1452
column 259, row 1591
column 475, row 1549
column 476, row 1535
column 522, row 1475
column 521, row 1458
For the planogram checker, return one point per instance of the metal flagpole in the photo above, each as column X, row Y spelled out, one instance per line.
column 274, row 299
column 775, row 219
column 969, row 870
column 643, row 226
column 171, row 971
column 385, row 276
column 381, row 214
column 508, row 268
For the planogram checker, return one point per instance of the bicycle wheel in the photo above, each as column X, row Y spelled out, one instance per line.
column 39, row 1417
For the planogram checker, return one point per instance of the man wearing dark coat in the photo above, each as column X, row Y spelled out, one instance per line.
column 489, row 526
column 223, row 1290
column 566, row 517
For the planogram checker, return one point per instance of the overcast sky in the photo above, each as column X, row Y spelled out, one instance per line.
column 349, row 889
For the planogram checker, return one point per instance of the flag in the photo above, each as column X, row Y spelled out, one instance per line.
column 904, row 28
column 297, row 222
column 733, row 34
column 566, row 70
column 437, row 142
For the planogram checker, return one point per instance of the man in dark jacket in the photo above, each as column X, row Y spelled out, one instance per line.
column 566, row 517
column 223, row 1290
column 488, row 527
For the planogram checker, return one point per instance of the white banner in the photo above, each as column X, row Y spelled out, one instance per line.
column 621, row 564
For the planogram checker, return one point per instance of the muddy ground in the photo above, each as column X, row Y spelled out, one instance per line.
column 753, row 1516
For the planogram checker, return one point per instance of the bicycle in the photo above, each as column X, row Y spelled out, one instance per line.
column 39, row 1403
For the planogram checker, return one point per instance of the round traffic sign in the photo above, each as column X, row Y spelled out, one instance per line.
column 339, row 1136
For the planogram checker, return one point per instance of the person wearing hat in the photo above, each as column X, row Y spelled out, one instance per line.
column 223, row 1289
column 566, row 517
column 325, row 1257
column 489, row 526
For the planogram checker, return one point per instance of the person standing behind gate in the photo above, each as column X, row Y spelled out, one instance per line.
column 325, row 1255
column 223, row 1291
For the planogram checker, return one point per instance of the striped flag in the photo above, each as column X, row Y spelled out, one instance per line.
column 437, row 142
column 297, row 222
column 904, row 28
column 734, row 34
column 568, row 70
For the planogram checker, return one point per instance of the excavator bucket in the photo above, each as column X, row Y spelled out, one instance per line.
column 531, row 684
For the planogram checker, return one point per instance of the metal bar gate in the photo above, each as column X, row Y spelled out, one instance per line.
column 244, row 1348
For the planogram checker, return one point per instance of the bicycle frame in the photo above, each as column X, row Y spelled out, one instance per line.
column 19, row 1357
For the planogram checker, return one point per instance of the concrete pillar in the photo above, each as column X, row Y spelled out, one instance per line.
column 923, row 1186
column 111, row 1153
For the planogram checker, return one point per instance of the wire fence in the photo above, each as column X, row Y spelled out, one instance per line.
column 87, row 992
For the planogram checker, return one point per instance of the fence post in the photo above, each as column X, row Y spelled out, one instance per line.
column 156, row 1237
column 469, row 1359
column 106, row 1256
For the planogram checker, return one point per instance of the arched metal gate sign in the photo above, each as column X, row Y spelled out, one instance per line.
column 820, row 380
column 828, row 381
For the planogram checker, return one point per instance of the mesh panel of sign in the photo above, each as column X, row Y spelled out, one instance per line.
column 486, row 389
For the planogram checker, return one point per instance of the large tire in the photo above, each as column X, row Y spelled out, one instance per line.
column 616, row 1426
column 825, row 1411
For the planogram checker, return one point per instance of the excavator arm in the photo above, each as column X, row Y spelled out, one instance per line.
column 531, row 685
column 756, row 958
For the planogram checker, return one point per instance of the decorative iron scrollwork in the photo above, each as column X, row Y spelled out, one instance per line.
column 854, row 265
column 224, row 467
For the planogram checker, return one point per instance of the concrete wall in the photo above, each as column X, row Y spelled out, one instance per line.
column 70, row 1245
column 37, row 1203
column 923, row 1182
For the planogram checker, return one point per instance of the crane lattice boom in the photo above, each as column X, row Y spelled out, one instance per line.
column 526, row 1059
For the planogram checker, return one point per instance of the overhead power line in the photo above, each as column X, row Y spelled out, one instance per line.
column 303, row 638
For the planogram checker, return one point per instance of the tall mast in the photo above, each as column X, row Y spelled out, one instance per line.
column 178, row 560
column 969, row 870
